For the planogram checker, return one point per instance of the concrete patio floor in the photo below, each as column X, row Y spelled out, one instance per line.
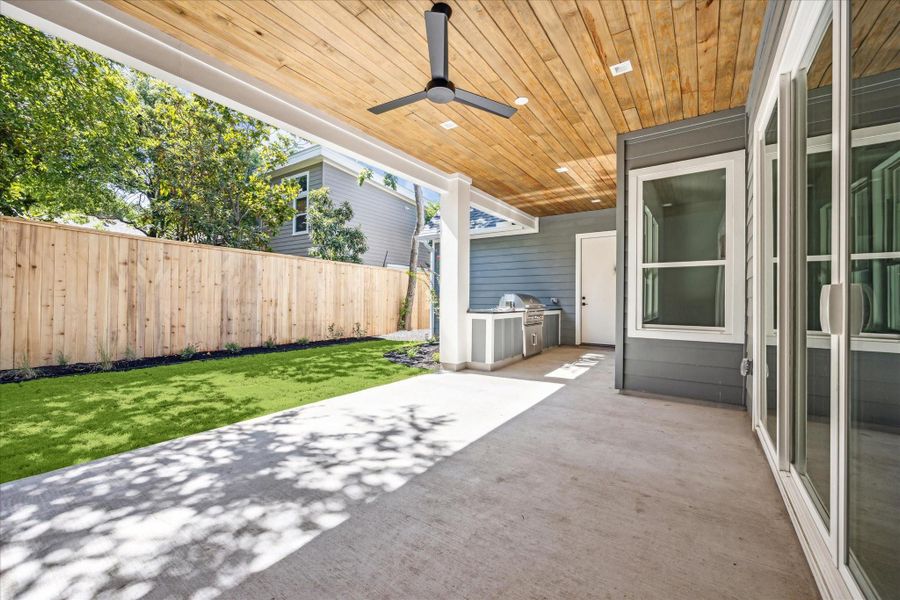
column 513, row 484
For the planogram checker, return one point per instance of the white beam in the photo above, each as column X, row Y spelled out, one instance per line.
column 494, row 206
column 454, row 265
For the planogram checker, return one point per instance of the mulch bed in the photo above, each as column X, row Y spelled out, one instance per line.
column 18, row 375
column 422, row 359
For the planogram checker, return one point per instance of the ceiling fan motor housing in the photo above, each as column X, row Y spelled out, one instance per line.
column 440, row 91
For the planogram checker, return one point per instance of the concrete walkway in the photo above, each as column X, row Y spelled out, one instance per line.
column 457, row 485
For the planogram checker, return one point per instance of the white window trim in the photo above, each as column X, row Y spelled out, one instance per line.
column 735, row 197
column 302, row 194
column 865, row 342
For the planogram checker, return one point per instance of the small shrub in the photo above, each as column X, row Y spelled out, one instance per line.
column 233, row 348
column 436, row 357
column 303, row 341
column 130, row 354
column 358, row 331
column 335, row 332
column 269, row 343
column 24, row 369
column 61, row 359
column 412, row 352
column 105, row 361
column 188, row 352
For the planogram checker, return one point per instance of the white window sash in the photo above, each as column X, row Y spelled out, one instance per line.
column 303, row 195
column 733, row 263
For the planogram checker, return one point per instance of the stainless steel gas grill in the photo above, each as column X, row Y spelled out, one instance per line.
column 532, row 320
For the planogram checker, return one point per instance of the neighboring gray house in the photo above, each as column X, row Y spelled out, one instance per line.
column 387, row 217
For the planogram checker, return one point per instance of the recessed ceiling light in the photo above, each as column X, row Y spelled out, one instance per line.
column 596, row 200
column 562, row 169
column 520, row 101
column 667, row 205
column 621, row 68
column 449, row 125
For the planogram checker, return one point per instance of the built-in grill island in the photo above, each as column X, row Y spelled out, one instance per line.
column 518, row 327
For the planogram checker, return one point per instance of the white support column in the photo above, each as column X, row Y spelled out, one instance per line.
column 454, row 266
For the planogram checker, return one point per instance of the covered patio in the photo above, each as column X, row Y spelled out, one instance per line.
column 444, row 485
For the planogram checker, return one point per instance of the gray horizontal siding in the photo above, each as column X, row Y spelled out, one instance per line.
column 540, row 263
column 701, row 370
column 387, row 221
column 286, row 242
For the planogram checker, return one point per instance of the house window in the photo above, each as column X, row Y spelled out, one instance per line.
column 300, row 204
column 686, row 237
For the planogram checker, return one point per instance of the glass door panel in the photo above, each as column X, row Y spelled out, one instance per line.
column 770, row 226
column 873, row 461
column 811, row 454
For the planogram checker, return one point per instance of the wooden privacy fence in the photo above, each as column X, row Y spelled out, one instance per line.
column 75, row 294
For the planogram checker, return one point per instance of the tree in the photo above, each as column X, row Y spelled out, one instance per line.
column 331, row 237
column 83, row 136
column 202, row 171
column 390, row 181
column 67, row 126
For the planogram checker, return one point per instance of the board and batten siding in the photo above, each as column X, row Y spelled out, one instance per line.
column 387, row 220
column 285, row 242
column 542, row 264
column 701, row 370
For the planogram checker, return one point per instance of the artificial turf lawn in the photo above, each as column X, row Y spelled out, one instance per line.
column 52, row 423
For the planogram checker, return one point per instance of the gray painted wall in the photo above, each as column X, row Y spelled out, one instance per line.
column 702, row 370
column 386, row 220
column 540, row 263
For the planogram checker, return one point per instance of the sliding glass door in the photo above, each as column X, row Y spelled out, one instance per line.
column 829, row 150
column 872, row 255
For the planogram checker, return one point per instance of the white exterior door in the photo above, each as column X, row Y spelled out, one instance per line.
column 597, row 301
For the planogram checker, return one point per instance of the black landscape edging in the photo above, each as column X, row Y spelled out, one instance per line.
column 16, row 375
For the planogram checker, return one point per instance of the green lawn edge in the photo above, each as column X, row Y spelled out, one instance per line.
column 48, row 424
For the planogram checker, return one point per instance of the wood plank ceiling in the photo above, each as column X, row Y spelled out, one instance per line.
column 690, row 57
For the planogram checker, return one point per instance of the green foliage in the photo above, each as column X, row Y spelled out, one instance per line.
column 303, row 341
column 60, row 421
column 106, row 360
column 335, row 332
column 412, row 351
column 269, row 343
column 24, row 369
column 233, row 348
column 83, row 136
column 188, row 352
column 61, row 359
column 404, row 311
column 332, row 238
column 130, row 354
column 202, row 174
column 364, row 175
column 390, row 181
column 67, row 126
column 436, row 357
column 431, row 209
column 358, row 330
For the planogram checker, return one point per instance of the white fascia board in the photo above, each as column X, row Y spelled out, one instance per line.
column 476, row 233
column 494, row 206
column 98, row 27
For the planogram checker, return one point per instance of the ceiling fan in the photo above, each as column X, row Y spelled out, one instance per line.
column 440, row 89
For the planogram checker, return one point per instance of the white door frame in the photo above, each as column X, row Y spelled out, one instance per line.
column 578, row 238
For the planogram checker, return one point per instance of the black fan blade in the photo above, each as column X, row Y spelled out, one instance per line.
column 436, row 32
column 397, row 103
column 486, row 104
